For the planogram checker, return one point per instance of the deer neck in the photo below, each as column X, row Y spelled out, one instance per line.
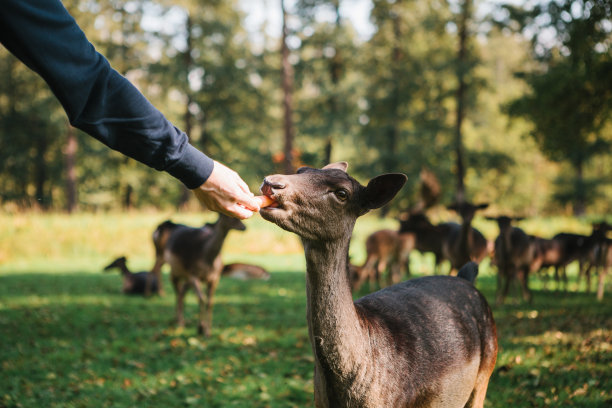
column 124, row 270
column 215, row 243
column 465, row 241
column 334, row 327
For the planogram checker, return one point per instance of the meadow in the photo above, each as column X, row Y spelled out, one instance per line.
column 68, row 338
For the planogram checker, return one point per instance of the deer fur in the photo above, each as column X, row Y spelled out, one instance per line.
column 194, row 258
column 599, row 256
column 243, row 271
column 516, row 256
column 134, row 283
column 427, row 342
column 466, row 243
column 160, row 237
column 384, row 248
column 428, row 237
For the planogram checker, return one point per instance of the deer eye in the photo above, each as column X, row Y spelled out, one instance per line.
column 341, row 194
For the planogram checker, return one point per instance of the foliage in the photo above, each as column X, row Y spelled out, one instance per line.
column 571, row 99
column 383, row 103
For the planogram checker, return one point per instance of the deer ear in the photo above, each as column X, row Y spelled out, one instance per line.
column 338, row 165
column 382, row 189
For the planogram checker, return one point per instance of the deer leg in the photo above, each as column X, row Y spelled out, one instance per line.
column 211, row 288
column 523, row 277
column 180, row 288
column 155, row 272
column 197, row 286
column 601, row 282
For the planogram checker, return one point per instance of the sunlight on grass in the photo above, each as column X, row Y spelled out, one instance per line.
column 70, row 339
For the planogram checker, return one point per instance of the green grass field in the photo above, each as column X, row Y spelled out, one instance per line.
column 68, row 338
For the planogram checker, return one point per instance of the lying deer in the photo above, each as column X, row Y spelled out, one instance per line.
column 427, row 342
column 134, row 283
column 194, row 258
column 244, row 271
column 516, row 256
column 465, row 243
column 384, row 248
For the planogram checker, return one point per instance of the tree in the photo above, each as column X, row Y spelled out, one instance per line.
column 570, row 101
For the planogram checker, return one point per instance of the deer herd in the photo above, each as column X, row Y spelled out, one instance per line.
column 424, row 342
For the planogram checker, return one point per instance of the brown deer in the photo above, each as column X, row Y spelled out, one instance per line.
column 384, row 248
column 134, row 283
column 160, row 237
column 427, row 342
column 516, row 256
column 466, row 243
column 243, row 271
column 428, row 237
column 194, row 258
column 599, row 256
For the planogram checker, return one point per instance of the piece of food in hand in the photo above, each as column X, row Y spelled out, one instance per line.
column 265, row 201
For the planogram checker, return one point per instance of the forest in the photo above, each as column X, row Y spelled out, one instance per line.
column 507, row 104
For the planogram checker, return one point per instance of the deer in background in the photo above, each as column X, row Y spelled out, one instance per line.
column 194, row 258
column 599, row 256
column 427, row 237
column 516, row 255
column 464, row 244
column 160, row 237
column 243, row 271
column 134, row 283
column 384, row 248
column 427, row 342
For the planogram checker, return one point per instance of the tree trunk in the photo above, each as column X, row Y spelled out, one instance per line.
column 335, row 70
column 579, row 190
column 461, row 91
column 41, row 172
column 187, row 117
column 70, row 168
column 287, row 84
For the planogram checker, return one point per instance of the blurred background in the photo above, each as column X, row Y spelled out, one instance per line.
column 505, row 102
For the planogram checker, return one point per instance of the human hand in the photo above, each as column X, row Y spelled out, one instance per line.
column 225, row 192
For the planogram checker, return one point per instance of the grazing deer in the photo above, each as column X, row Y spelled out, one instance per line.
column 384, row 248
column 244, row 271
column 428, row 237
column 427, row 342
column 466, row 243
column 516, row 255
column 160, row 237
column 194, row 258
column 134, row 283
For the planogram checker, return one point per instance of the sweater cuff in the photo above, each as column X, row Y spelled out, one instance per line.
column 193, row 169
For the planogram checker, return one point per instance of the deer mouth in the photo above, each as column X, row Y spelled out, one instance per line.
column 268, row 191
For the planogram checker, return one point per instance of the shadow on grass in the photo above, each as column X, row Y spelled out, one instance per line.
column 70, row 339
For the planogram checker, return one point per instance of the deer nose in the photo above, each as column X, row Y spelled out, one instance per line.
column 269, row 185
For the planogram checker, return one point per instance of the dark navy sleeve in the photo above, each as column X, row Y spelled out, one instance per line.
column 96, row 98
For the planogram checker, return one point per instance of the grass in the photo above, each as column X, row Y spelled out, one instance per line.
column 69, row 339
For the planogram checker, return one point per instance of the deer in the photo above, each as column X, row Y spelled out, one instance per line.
column 516, row 256
column 426, row 342
column 160, row 237
column 465, row 243
column 599, row 256
column 134, row 283
column 194, row 258
column 243, row 271
column 428, row 237
column 384, row 248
